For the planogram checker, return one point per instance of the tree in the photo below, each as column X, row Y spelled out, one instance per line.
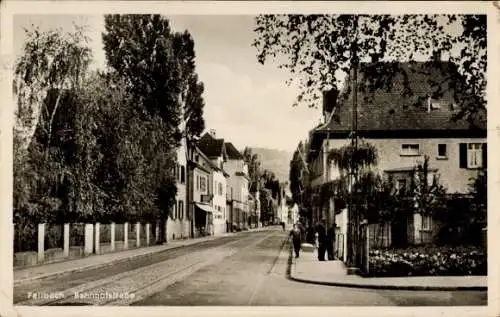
column 47, row 78
column 427, row 193
column 51, row 61
column 319, row 49
column 144, row 54
column 298, row 171
column 140, row 48
column 253, row 162
column 192, row 89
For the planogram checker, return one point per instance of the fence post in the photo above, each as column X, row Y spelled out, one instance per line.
column 97, row 238
column 138, row 234
column 112, row 236
column 148, row 229
column 89, row 230
column 41, row 242
column 66, row 240
column 157, row 231
column 125, row 235
column 367, row 249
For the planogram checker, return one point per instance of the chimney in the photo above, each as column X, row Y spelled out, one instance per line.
column 212, row 133
column 329, row 102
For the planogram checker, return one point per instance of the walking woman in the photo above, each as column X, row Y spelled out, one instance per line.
column 296, row 239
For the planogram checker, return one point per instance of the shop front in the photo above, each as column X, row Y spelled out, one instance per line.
column 203, row 219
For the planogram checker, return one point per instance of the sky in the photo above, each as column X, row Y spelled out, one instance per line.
column 246, row 103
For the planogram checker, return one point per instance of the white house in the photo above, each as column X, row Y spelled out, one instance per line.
column 215, row 150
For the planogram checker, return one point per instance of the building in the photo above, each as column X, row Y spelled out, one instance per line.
column 178, row 224
column 238, row 191
column 403, row 130
column 215, row 150
column 201, row 170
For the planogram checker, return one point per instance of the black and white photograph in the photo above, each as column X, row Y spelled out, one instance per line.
column 310, row 158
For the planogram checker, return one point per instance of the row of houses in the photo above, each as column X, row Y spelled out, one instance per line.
column 403, row 135
column 212, row 190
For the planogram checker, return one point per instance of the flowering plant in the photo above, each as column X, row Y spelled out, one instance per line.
column 428, row 261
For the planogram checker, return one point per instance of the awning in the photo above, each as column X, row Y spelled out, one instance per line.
column 204, row 207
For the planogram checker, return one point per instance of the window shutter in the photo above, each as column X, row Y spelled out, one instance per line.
column 485, row 155
column 463, row 155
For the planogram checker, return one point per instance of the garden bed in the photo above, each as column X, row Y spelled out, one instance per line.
column 428, row 261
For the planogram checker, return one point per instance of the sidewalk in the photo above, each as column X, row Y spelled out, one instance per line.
column 24, row 275
column 308, row 269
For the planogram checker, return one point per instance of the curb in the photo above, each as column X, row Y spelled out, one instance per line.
column 382, row 287
column 112, row 262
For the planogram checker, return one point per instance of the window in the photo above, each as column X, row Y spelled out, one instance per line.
column 183, row 174
column 474, row 155
column 174, row 211
column 181, row 209
column 203, row 184
column 220, row 189
column 401, row 186
column 426, row 222
column 197, row 182
column 442, row 153
column 410, row 149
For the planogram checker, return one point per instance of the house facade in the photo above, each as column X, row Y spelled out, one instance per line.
column 403, row 134
column 201, row 207
column 215, row 150
column 178, row 224
column 238, row 190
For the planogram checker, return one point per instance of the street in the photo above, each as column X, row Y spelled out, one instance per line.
column 246, row 269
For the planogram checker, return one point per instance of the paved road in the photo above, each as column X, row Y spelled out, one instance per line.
column 257, row 276
column 247, row 269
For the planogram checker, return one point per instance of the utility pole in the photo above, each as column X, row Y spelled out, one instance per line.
column 353, row 217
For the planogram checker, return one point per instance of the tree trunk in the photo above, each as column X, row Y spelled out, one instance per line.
column 51, row 121
column 163, row 231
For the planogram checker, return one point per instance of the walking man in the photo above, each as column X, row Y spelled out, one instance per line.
column 321, row 234
column 330, row 241
column 296, row 239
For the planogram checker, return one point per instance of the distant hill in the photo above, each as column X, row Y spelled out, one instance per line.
column 276, row 161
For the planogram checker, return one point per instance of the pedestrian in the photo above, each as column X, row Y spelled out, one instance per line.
column 330, row 241
column 321, row 234
column 310, row 235
column 283, row 225
column 296, row 239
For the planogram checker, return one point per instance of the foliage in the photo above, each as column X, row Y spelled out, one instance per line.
column 254, row 172
column 428, row 261
column 47, row 78
column 104, row 144
column 192, row 89
column 269, row 181
column 319, row 49
column 348, row 157
column 427, row 194
column 140, row 48
column 298, row 173
column 157, row 67
column 51, row 60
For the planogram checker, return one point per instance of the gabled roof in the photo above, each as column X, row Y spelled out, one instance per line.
column 232, row 152
column 390, row 110
column 211, row 146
